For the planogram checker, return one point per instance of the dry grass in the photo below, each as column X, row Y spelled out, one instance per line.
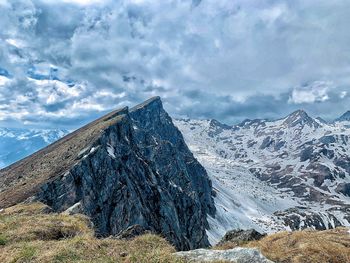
column 331, row 246
column 24, row 178
column 29, row 234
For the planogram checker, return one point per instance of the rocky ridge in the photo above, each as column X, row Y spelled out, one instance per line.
column 130, row 167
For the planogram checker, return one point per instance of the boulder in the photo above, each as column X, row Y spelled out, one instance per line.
column 240, row 236
column 237, row 255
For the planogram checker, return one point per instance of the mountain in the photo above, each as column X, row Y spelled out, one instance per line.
column 292, row 173
column 16, row 144
column 344, row 117
column 130, row 167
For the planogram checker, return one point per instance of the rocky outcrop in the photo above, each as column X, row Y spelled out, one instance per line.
column 237, row 255
column 136, row 171
column 239, row 236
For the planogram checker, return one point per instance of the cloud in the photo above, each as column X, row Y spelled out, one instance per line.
column 316, row 92
column 243, row 56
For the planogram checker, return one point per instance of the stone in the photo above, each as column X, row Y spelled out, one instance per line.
column 237, row 255
column 240, row 236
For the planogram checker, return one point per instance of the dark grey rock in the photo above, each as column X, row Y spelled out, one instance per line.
column 327, row 139
column 343, row 188
column 240, row 236
column 268, row 141
column 139, row 172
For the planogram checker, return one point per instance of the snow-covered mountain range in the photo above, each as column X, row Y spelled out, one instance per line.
column 16, row 144
column 290, row 173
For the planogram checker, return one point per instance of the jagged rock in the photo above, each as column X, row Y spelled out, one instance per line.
column 237, row 255
column 240, row 236
column 131, row 232
column 130, row 167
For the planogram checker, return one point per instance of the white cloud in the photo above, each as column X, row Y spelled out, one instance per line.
column 343, row 94
column 315, row 92
column 79, row 2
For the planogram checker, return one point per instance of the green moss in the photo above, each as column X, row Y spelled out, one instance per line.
column 3, row 240
column 26, row 254
column 66, row 256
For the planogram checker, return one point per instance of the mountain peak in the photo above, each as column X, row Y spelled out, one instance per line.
column 152, row 102
column 344, row 117
column 216, row 123
column 300, row 112
column 300, row 117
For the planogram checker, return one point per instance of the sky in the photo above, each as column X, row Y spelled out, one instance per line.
column 64, row 63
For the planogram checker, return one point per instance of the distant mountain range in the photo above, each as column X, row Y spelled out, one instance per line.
column 16, row 144
column 290, row 173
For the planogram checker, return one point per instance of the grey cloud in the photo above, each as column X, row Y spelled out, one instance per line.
column 222, row 59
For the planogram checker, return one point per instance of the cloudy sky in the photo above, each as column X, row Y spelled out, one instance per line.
column 63, row 63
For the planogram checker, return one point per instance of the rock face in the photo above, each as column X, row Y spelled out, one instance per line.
column 239, row 236
column 237, row 255
column 136, row 171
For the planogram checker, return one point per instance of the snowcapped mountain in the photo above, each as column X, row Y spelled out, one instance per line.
column 344, row 118
column 290, row 173
column 16, row 144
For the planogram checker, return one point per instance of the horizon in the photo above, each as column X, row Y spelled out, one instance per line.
column 72, row 128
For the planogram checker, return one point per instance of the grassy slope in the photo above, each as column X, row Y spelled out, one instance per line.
column 308, row 246
column 29, row 234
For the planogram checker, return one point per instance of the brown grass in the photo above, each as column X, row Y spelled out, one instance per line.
column 329, row 246
column 24, row 178
column 29, row 234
